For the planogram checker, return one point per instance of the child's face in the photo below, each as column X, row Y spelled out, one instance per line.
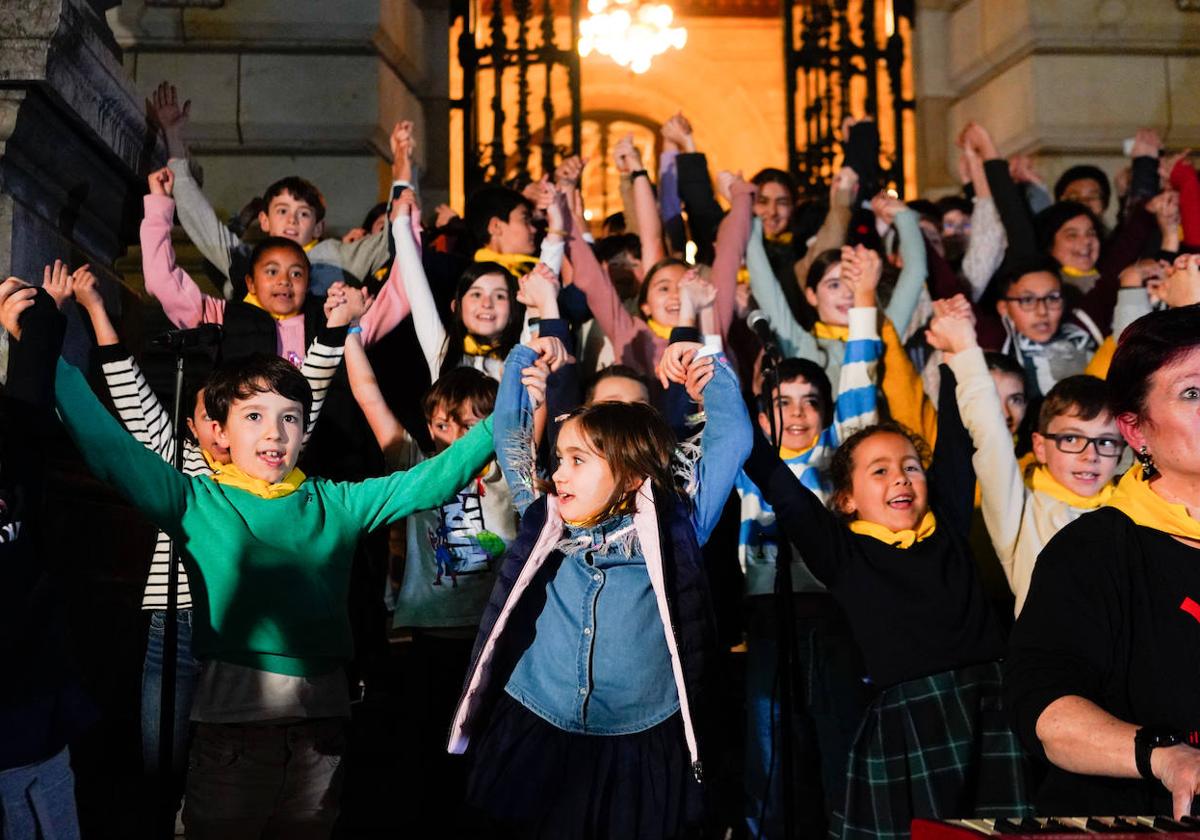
column 291, row 218
column 486, row 306
column 513, row 235
column 205, row 430
column 832, row 298
column 263, row 434
column 1085, row 472
column 1076, row 244
column 279, row 281
column 620, row 389
column 1011, row 389
column 797, row 413
column 662, row 296
column 1086, row 191
column 774, row 206
column 449, row 423
column 583, row 481
column 888, row 483
column 1027, row 306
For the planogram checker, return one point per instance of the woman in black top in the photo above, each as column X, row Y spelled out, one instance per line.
column 1103, row 675
column 935, row 742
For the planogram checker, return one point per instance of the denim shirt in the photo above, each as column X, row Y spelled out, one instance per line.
column 599, row 663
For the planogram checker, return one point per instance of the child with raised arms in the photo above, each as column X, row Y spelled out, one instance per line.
column 583, row 706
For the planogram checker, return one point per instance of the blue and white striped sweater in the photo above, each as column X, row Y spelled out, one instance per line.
column 855, row 407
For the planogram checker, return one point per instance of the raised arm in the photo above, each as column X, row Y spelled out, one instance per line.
column 985, row 248
column 724, row 444
column 321, row 362
column 513, row 429
column 183, row 302
column 732, row 236
column 857, row 402
column 951, row 476
column 389, row 433
column 200, row 222
column 794, row 340
column 912, row 276
column 151, row 485
column 832, row 233
column 431, row 334
column 608, row 310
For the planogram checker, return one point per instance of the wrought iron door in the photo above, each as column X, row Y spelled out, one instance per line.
column 847, row 58
column 521, row 59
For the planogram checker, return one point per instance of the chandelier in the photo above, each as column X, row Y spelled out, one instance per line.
column 629, row 32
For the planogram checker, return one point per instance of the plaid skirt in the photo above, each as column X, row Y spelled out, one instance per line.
column 938, row 747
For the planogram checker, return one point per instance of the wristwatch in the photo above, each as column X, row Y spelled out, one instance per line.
column 1149, row 738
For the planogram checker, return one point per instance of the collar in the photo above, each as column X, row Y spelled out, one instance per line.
column 784, row 238
column 230, row 475
column 823, row 330
column 786, row 454
column 898, row 539
column 660, row 330
column 1135, row 498
column 312, row 243
column 1041, row 481
column 253, row 300
column 1075, row 272
column 518, row 264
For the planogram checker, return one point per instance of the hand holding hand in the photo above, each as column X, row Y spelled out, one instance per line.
column 678, row 130
column 698, row 288
column 1146, row 143
column 534, row 379
column 843, row 187
column 551, row 352
column 626, row 156
column 567, row 174
column 444, row 215
column 1183, row 282
column 1020, row 168
column 886, row 207
column 162, row 182
column 673, row 365
column 56, row 280
column 975, row 139
column 15, row 297
column 699, row 373
column 949, row 331
column 725, row 182
column 862, row 268
column 86, row 287
column 539, row 289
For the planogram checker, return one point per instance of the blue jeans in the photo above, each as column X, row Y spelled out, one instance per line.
column 187, row 670
column 37, row 802
column 828, row 701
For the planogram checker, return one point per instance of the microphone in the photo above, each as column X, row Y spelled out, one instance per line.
column 758, row 321
column 200, row 336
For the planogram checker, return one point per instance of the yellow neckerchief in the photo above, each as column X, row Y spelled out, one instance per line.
column 312, row 243
column 518, row 264
column 474, row 347
column 620, row 508
column 784, row 238
column 253, row 300
column 231, row 475
column 1102, row 359
column 823, row 330
column 1042, row 481
column 743, row 275
column 896, row 539
column 786, row 454
column 660, row 330
column 1136, row 499
column 1075, row 272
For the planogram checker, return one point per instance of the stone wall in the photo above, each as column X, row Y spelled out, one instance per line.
column 305, row 87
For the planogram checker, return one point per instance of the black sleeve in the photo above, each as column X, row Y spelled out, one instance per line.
column 1143, row 180
column 572, row 303
column 862, row 155
column 1063, row 641
column 703, row 212
column 821, row 540
column 952, row 475
column 1014, row 213
column 563, row 389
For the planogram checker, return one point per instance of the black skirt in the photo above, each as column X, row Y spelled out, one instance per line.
column 537, row 780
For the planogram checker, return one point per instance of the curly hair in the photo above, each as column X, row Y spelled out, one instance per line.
column 841, row 466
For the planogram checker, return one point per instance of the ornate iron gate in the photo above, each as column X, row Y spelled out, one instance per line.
column 502, row 42
column 847, row 58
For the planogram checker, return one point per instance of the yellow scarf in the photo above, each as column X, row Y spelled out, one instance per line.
column 1075, row 272
column 253, row 300
column 784, row 238
column 823, row 330
column 1042, row 481
column 231, row 475
column 896, row 539
column 518, row 264
column 786, row 454
column 312, row 243
column 473, row 347
column 1136, row 499
column 660, row 330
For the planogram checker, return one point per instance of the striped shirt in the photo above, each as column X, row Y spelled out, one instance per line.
column 145, row 418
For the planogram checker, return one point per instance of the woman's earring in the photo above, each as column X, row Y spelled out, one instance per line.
column 1147, row 461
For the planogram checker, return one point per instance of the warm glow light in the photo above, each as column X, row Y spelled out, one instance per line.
column 587, row 215
column 629, row 32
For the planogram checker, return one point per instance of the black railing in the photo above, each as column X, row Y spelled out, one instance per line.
column 509, row 154
column 837, row 56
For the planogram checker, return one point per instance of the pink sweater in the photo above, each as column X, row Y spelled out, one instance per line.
column 634, row 343
column 186, row 306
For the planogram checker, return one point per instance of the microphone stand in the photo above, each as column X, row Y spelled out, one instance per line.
column 784, row 625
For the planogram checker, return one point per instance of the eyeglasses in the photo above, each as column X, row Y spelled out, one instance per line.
column 1073, row 444
column 1029, row 303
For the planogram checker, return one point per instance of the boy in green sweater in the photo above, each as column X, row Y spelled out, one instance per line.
column 268, row 554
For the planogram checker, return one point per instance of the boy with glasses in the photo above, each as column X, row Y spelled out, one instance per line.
column 1077, row 446
column 1031, row 306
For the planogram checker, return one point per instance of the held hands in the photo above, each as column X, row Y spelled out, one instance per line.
column 886, row 207
column 678, row 130
column 844, row 187
column 698, row 289
column 1146, row 143
column 726, row 181
column 538, row 290
column 57, row 282
column 552, row 355
column 346, row 304
column 1020, row 168
column 626, row 156
column 861, row 269
column 162, row 182
column 405, row 206
column 404, row 147
column 1165, row 207
column 952, row 329
column 556, row 212
column 975, row 140
column 567, row 174
column 444, row 215
column 1168, row 163
column 15, row 297
column 87, row 291
column 1183, row 282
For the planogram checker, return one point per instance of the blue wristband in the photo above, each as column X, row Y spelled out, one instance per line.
column 353, row 330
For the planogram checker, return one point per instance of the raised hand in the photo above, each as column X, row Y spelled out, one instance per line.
column 404, row 147
column 975, row 140
column 678, row 130
column 162, row 182
column 405, row 206
column 949, row 331
column 552, row 353
column 861, row 269
column 539, row 290
column 165, row 111
column 540, row 193
column 56, row 280
column 726, row 180
column 567, row 174
column 1020, row 168
column 556, row 212
column 1182, row 286
column 699, row 373
column 843, row 187
column 699, row 289
column 886, row 207
column 673, row 365
column 85, row 287
column 626, row 156
column 15, row 297
column 444, row 215
column 1146, row 143
column 1168, row 163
